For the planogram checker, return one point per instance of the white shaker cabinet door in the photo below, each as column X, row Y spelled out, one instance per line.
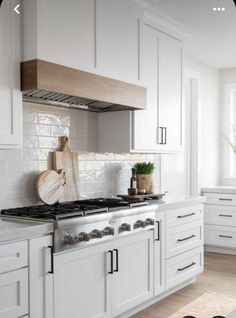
column 170, row 93
column 14, row 294
column 145, row 122
column 10, row 95
column 133, row 274
column 82, row 284
column 40, row 278
column 118, row 41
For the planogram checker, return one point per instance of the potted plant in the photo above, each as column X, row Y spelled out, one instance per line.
column 144, row 172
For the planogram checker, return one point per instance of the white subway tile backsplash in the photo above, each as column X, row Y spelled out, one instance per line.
column 101, row 174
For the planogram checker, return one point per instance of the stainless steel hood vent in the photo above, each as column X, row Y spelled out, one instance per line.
column 53, row 84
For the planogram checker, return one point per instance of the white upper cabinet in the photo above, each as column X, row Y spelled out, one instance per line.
column 158, row 128
column 118, row 41
column 10, row 95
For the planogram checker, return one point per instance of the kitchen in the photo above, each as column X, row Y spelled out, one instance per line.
column 129, row 82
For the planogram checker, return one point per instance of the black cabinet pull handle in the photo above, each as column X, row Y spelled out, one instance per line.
column 162, row 139
column 186, row 267
column 117, row 260
column 185, row 215
column 186, row 238
column 158, row 231
column 52, row 260
column 165, row 140
column 111, row 268
column 226, row 236
column 224, row 199
column 226, row 215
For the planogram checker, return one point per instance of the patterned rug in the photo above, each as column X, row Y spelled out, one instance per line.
column 208, row 305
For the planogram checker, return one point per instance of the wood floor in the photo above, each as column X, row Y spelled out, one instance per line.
column 219, row 275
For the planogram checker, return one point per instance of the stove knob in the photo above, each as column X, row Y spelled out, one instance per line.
column 108, row 231
column 69, row 240
column 125, row 227
column 83, row 237
column 96, row 234
column 149, row 221
column 139, row 224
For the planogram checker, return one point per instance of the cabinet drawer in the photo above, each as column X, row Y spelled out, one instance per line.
column 220, row 215
column 13, row 256
column 220, row 198
column 14, row 294
column 184, row 238
column 183, row 267
column 184, row 215
column 220, row 236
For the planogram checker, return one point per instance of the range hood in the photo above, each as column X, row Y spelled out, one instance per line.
column 54, row 84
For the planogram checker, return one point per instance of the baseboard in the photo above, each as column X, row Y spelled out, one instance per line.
column 221, row 250
column 156, row 299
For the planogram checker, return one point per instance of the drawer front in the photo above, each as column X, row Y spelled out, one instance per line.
column 14, row 294
column 220, row 236
column 220, row 198
column 184, row 267
column 184, row 238
column 220, row 215
column 184, row 215
column 13, row 256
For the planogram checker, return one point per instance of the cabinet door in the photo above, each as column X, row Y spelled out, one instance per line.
column 41, row 281
column 82, row 285
column 133, row 281
column 14, row 294
column 145, row 122
column 170, row 92
column 159, row 255
column 118, row 41
column 10, row 95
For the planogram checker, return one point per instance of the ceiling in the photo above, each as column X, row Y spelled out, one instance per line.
column 214, row 37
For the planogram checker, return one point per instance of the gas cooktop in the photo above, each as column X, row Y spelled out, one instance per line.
column 73, row 209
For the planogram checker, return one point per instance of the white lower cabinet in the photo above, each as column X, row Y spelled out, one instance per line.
column 40, row 278
column 159, row 255
column 183, row 267
column 132, row 284
column 104, row 280
column 14, row 294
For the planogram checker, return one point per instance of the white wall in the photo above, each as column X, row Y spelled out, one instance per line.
column 173, row 167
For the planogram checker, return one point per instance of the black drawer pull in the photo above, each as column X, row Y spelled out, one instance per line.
column 226, row 236
column 185, row 215
column 186, row 238
column 111, row 271
column 186, row 267
column 224, row 199
column 226, row 215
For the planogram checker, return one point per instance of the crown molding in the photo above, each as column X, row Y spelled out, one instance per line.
column 164, row 23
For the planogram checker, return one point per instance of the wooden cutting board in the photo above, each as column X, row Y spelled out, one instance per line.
column 49, row 186
column 67, row 161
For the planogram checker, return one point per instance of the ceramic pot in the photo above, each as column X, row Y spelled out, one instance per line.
column 144, row 181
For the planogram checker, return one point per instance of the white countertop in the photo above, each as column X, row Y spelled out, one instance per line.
column 15, row 229
column 219, row 189
column 180, row 203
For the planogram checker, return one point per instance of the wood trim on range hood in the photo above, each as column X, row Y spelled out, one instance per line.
column 45, row 82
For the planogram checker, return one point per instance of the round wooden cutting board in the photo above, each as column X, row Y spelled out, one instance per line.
column 49, row 186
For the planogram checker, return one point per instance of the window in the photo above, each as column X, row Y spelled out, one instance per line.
column 230, row 131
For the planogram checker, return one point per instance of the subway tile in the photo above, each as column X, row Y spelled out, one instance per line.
column 48, row 142
column 30, row 141
column 57, row 131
